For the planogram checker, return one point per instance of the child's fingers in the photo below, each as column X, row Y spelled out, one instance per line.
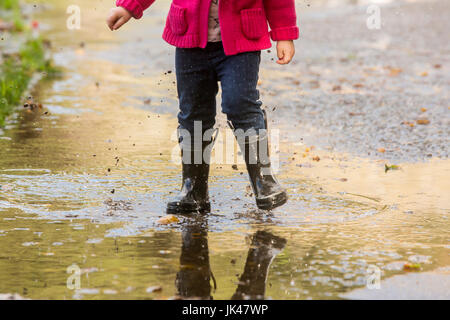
column 120, row 23
column 280, row 53
column 284, row 59
column 287, row 57
column 281, row 56
column 110, row 23
column 112, row 19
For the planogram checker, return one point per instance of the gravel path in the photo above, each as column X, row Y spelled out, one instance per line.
column 363, row 91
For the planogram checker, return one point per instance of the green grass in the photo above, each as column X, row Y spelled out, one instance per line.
column 12, row 10
column 17, row 70
column 9, row 4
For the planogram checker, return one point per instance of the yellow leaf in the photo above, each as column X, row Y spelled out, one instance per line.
column 393, row 72
column 412, row 267
column 423, row 121
column 168, row 219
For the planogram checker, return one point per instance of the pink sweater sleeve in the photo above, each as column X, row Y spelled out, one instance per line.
column 282, row 19
column 136, row 7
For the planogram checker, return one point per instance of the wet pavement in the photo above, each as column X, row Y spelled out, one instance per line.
column 417, row 286
column 86, row 180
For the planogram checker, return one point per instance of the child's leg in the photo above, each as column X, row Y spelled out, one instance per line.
column 238, row 75
column 240, row 101
column 197, row 88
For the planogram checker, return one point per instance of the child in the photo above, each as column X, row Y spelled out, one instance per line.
column 221, row 41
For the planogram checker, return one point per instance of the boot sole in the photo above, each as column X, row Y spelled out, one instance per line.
column 273, row 201
column 183, row 208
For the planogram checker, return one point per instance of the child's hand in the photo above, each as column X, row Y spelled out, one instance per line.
column 285, row 51
column 118, row 17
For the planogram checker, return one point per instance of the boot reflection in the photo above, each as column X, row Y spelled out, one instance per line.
column 264, row 248
column 193, row 279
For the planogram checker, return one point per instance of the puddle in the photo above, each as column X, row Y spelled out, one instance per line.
column 85, row 184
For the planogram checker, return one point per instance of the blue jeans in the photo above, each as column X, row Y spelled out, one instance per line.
column 198, row 72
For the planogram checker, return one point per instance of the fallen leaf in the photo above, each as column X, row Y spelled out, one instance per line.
column 411, row 124
column 391, row 167
column 381, row 150
column 393, row 72
column 168, row 219
column 316, row 158
column 154, row 289
column 423, row 121
column 423, row 109
column 358, row 85
column 412, row 267
column 424, row 74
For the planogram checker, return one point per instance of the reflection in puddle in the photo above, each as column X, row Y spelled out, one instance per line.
column 263, row 249
column 193, row 281
column 195, row 275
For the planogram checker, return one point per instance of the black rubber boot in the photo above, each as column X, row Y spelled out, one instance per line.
column 193, row 197
column 193, row 281
column 268, row 192
column 263, row 249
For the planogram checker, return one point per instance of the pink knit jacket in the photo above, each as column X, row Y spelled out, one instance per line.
column 243, row 23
